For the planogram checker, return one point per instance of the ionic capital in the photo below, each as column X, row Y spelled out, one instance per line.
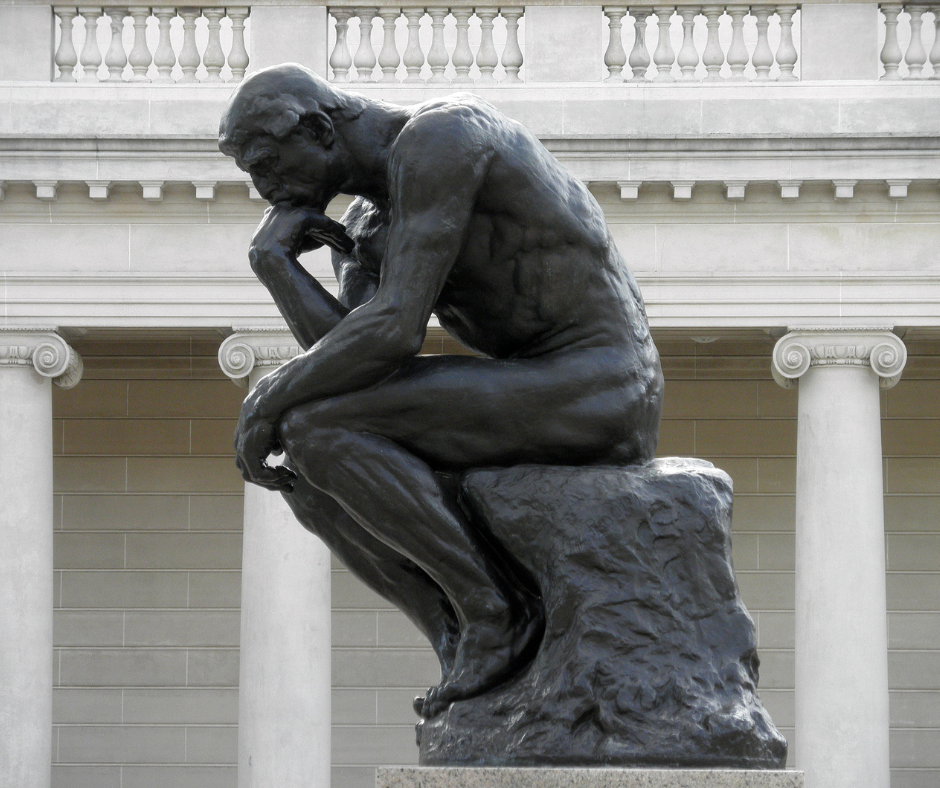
column 44, row 350
column 253, row 348
column 804, row 348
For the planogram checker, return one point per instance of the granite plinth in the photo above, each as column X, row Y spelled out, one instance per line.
column 509, row 777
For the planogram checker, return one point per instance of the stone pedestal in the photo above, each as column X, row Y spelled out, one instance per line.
column 29, row 362
column 505, row 777
column 648, row 657
column 284, row 670
column 842, row 718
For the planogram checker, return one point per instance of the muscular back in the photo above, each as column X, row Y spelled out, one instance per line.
column 537, row 270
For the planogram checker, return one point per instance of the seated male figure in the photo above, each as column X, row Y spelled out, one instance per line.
column 462, row 213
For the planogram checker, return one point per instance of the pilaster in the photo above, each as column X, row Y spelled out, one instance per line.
column 284, row 680
column 30, row 361
column 842, row 719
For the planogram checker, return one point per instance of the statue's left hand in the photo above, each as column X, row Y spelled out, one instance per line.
column 255, row 439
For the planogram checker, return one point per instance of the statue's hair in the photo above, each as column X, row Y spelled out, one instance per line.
column 277, row 100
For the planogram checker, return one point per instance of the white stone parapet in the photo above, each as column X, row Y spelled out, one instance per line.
column 130, row 55
column 284, row 658
column 29, row 359
column 841, row 619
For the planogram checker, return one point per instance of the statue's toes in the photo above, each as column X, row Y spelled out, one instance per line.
column 418, row 705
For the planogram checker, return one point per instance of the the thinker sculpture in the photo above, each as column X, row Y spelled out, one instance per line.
column 462, row 213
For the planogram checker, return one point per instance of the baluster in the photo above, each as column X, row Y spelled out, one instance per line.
column 512, row 53
column 487, row 59
column 713, row 57
column 116, row 58
column 91, row 55
column 140, row 57
column 916, row 54
column 340, row 59
column 639, row 55
column 437, row 54
column 664, row 56
column 189, row 54
column 238, row 54
column 786, row 51
column 688, row 54
column 935, row 51
column 388, row 56
column 164, row 58
column 463, row 56
column 214, row 58
column 615, row 58
column 737, row 52
column 365, row 55
column 763, row 57
column 891, row 52
column 66, row 57
column 414, row 56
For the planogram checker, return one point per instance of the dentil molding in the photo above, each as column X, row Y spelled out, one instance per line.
column 44, row 350
column 251, row 348
column 803, row 348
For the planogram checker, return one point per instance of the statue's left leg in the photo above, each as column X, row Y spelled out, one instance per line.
column 375, row 452
column 385, row 570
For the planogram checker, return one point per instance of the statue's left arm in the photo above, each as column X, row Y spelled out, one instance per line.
column 436, row 173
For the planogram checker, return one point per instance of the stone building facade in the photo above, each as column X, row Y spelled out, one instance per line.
column 770, row 174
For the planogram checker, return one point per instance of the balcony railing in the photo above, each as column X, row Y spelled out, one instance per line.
column 144, row 44
column 435, row 46
column 480, row 44
column 711, row 44
column 903, row 31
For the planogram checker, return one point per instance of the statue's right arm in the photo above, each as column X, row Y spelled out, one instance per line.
column 309, row 309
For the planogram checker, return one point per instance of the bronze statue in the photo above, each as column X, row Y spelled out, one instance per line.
column 459, row 212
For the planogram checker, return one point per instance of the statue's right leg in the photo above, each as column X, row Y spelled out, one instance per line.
column 386, row 571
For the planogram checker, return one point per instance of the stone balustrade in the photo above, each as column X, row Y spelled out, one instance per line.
column 437, row 45
column 479, row 45
column 710, row 43
column 905, row 31
column 150, row 44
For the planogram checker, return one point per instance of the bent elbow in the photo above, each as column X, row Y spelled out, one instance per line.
column 400, row 344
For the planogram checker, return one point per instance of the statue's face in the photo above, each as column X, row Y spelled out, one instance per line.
column 296, row 169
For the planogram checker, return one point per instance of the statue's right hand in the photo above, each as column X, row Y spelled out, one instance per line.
column 286, row 231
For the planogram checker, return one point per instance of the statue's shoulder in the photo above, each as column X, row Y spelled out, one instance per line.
column 453, row 120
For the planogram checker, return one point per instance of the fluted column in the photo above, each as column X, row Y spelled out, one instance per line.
column 284, row 677
column 29, row 360
column 841, row 629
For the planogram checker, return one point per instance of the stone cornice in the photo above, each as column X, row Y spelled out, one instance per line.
column 849, row 346
column 253, row 348
column 44, row 350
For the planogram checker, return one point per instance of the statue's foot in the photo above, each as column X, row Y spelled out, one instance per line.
column 489, row 652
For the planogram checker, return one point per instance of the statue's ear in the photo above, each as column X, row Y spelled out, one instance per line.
column 320, row 125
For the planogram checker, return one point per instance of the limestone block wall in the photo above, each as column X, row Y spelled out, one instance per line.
column 148, row 555
column 147, row 558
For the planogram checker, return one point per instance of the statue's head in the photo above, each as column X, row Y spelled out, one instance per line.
column 280, row 127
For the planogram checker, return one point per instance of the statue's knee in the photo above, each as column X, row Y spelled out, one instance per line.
column 308, row 445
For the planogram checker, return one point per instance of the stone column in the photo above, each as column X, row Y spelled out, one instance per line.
column 842, row 716
column 284, row 677
column 29, row 360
